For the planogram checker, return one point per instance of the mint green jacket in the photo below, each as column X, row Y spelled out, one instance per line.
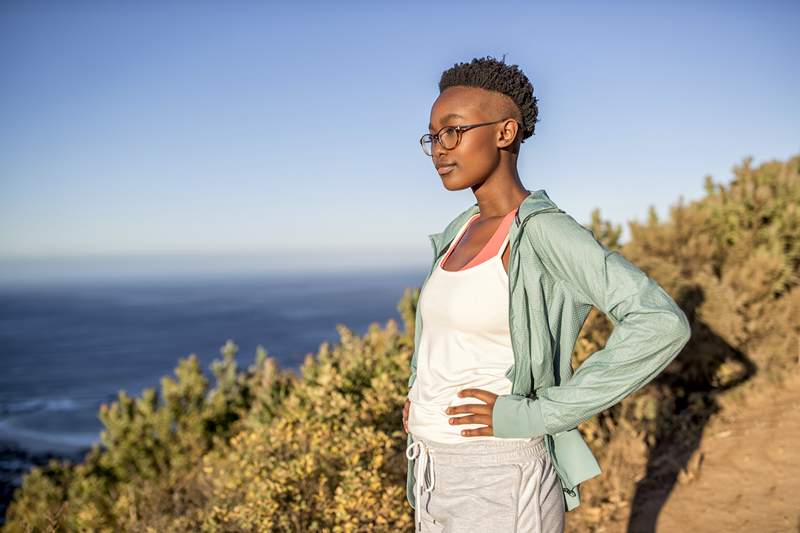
column 557, row 271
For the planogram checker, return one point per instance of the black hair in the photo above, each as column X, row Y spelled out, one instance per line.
column 495, row 75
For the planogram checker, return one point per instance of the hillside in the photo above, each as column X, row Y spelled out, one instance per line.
column 704, row 445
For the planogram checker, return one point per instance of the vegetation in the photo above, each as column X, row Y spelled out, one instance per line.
column 266, row 449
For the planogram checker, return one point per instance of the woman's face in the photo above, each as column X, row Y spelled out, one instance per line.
column 477, row 155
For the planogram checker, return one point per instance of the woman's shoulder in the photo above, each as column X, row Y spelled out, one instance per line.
column 564, row 243
column 554, row 224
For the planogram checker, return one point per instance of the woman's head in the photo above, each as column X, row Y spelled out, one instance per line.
column 484, row 90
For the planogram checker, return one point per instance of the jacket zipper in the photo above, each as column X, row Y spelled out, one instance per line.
column 567, row 490
column 514, row 245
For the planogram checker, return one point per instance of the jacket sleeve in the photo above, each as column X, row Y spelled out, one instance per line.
column 649, row 331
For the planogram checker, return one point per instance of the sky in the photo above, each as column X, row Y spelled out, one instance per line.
column 166, row 136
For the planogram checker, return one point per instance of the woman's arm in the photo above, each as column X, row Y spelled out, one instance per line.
column 649, row 331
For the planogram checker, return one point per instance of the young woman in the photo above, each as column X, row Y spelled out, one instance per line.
column 493, row 404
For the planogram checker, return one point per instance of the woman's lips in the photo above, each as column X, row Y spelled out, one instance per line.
column 445, row 169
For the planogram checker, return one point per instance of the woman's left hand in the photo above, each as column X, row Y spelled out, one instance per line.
column 482, row 412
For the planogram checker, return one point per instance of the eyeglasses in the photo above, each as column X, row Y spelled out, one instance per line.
column 449, row 136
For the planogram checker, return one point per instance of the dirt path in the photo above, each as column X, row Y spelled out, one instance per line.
column 748, row 478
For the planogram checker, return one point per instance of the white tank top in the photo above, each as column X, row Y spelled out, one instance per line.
column 465, row 343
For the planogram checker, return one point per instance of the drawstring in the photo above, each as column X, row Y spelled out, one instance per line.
column 420, row 449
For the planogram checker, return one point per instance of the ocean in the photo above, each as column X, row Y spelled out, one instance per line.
column 67, row 347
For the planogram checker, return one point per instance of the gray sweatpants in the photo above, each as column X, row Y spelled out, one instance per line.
column 486, row 486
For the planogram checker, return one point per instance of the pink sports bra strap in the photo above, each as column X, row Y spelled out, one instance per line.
column 496, row 243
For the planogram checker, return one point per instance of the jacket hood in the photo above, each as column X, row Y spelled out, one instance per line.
column 535, row 202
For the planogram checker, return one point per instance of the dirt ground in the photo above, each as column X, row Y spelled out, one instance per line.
column 745, row 476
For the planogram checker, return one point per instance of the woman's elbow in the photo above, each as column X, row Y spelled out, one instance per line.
column 679, row 330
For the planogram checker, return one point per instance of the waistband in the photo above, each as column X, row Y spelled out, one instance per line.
column 481, row 452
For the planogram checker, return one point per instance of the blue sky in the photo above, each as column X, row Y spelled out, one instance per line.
column 286, row 136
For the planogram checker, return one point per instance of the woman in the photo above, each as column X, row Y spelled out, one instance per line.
column 493, row 404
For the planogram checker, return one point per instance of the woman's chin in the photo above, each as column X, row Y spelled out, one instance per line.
column 452, row 184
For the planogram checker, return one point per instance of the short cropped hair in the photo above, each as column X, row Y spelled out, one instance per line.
column 495, row 75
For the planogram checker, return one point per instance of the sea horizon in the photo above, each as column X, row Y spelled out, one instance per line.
column 67, row 346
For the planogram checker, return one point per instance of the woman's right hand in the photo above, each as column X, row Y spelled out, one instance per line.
column 406, row 407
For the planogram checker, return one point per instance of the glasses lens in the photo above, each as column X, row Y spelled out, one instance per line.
column 426, row 142
column 448, row 138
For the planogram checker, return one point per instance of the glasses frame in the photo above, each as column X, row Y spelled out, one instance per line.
column 434, row 137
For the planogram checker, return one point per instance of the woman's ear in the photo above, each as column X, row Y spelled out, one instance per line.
column 507, row 133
